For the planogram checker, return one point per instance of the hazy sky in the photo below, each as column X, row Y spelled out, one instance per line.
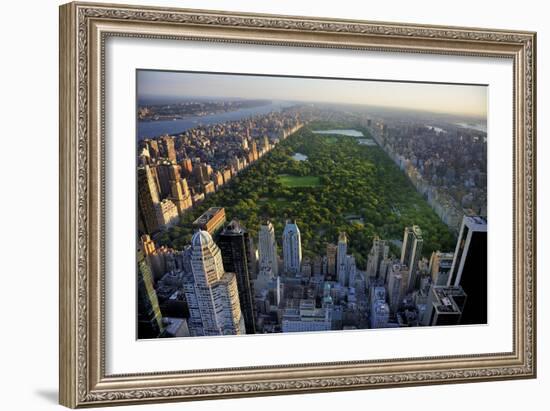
column 455, row 99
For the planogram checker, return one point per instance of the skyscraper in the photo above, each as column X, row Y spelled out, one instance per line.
column 332, row 250
column 148, row 200
column 265, row 143
column 180, row 195
column 167, row 148
column 218, row 179
column 199, row 173
column 167, row 213
column 153, row 148
column 155, row 264
column 380, row 311
column 384, row 268
column 252, row 258
column 254, row 150
column 445, row 306
column 351, row 270
column 377, row 254
column 147, row 245
column 211, row 292
column 233, row 242
column 209, row 187
column 149, row 315
column 411, row 252
column 186, row 167
column 267, row 248
column 397, row 268
column 341, row 259
column 395, row 289
column 167, row 172
column 469, row 269
column 144, row 157
column 440, row 267
column 292, row 248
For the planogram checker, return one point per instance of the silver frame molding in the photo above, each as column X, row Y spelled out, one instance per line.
column 84, row 27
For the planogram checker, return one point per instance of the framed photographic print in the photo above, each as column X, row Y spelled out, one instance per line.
column 260, row 204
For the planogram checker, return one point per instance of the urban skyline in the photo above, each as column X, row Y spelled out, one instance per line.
column 307, row 217
column 458, row 99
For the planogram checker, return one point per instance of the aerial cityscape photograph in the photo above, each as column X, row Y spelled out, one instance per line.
column 277, row 204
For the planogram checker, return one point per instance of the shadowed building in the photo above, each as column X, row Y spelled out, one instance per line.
column 166, row 173
column 411, row 253
column 469, row 269
column 378, row 253
column 395, row 289
column 149, row 315
column 332, row 250
column 148, row 201
column 267, row 248
column 186, row 167
column 341, row 259
column 445, row 306
column 233, row 242
column 440, row 267
column 292, row 249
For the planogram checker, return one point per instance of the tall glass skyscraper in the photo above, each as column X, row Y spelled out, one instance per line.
column 149, row 315
column 292, row 248
column 469, row 269
column 234, row 242
column 341, row 259
column 411, row 252
column 267, row 248
column 211, row 292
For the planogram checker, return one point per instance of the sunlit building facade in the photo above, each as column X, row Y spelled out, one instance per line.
column 212, row 294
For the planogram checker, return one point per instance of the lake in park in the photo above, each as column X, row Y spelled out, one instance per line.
column 341, row 132
column 299, row 157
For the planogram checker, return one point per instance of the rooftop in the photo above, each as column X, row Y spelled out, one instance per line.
column 234, row 227
column 444, row 298
column 475, row 222
column 208, row 215
column 201, row 239
column 417, row 231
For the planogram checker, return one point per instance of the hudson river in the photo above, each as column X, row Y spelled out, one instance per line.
column 149, row 129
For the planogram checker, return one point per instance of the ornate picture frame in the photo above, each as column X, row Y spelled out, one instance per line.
column 84, row 28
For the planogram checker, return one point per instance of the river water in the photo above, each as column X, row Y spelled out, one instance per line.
column 149, row 129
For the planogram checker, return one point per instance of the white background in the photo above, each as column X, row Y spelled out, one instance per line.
column 28, row 91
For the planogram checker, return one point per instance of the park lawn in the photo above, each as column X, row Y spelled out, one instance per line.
column 291, row 181
column 340, row 179
column 331, row 140
column 280, row 202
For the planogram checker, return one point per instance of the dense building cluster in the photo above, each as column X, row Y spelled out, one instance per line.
column 447, row 165
column 176, row 173
column 228, row 282
column 227, row 285
column 184, row 109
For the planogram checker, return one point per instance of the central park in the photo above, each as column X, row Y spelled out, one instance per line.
column 337, row 185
